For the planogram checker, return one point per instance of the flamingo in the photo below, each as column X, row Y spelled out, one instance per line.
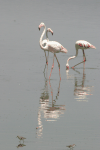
column 45, row 41
column 80, row 44
column 51, row 46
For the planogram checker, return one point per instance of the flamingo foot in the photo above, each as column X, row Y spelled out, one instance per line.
column 84, row 59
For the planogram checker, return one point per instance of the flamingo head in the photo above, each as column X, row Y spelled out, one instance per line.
column 67, row 66
column 41, row 25
column 49, row 30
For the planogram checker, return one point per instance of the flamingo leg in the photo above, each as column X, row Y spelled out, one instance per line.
column 44, row 69
column 84, row 59
column 58, row 89
column 77, row 64
column 52, row 67
column 58, row 66
column 48, row 53
column 53, row 62
column 46, row 58
column 51, row 90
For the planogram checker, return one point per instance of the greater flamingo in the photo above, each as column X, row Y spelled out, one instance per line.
column 81, row 44
column 51, row 46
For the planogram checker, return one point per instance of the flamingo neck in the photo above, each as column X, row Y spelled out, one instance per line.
column 70, row 58
column 41, row 38
column 47, row 35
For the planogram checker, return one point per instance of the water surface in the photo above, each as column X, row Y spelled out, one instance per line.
column 64, row 111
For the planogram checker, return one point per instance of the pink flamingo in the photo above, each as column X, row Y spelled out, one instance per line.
column 81, row 44
column 51, row 46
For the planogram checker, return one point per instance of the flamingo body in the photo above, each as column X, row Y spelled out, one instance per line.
column 80, row 44
column 55, row 47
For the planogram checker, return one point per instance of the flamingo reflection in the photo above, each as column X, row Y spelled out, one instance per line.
column 54, row 111
column 80, row 89
column 50, row 111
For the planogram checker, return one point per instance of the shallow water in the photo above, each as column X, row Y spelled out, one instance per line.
column 64, row 111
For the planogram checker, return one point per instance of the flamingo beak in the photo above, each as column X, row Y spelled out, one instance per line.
column 39, row 28
column 52, row 33
column 64, row 50
column 92, row 46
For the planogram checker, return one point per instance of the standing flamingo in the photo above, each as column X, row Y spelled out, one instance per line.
column 81, row 44
column 45, row 41
column 51, row 46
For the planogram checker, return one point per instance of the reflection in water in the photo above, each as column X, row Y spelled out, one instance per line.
column 20, row 145
column 80, row 90
column 53, row 111
column 48, row 110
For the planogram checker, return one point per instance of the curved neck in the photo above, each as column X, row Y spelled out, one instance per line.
column 42, row 37
column 73, row 56
column 70, row 58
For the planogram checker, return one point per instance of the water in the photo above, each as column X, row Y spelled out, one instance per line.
column 64, row 112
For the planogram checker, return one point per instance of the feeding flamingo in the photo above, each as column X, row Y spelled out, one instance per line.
column 81, row 44
column 51, row 46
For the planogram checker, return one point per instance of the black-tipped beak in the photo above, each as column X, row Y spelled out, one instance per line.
column 52, row 33
column 39, row 28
